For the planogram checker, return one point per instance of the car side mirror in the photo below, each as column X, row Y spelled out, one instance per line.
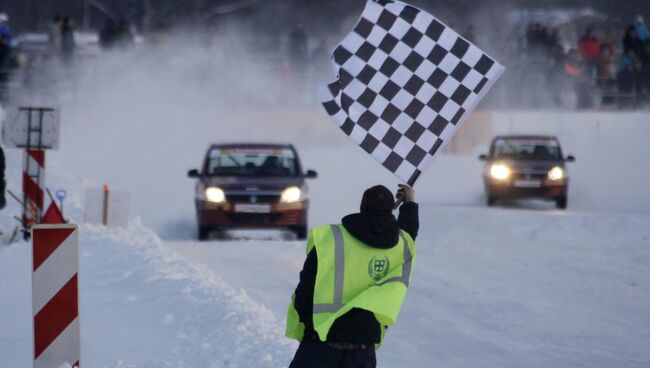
column 570, row 158
column 483, row 157
column 311, row 174
column 194, row 173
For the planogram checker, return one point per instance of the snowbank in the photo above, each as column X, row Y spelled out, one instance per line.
column 144, row 306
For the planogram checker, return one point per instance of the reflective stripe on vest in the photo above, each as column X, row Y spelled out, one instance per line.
column 339, row 271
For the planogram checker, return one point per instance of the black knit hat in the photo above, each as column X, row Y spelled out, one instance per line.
column 377, row 199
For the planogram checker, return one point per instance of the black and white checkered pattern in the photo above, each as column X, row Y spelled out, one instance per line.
column 405, row 84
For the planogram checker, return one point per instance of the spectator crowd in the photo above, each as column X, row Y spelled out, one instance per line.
column 592, row 70
column 595, row 68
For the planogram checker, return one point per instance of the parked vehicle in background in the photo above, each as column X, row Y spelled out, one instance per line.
column 251, row 186
column 526, row 167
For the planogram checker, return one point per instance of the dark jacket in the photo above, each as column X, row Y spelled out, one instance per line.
column 358, row 326
column 631, row 43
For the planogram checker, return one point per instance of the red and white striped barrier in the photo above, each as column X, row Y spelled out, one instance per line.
column 33, row 186
column 55, row 300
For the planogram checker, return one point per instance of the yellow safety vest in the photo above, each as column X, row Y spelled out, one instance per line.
column 352, row 274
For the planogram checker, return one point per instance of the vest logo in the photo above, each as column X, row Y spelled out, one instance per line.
column 378, row 268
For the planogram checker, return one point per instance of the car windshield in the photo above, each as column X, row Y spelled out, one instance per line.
column 527, row 149
column 251, row 162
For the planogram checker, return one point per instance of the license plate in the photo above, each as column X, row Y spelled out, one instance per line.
column 253, row 208
column 528, row 183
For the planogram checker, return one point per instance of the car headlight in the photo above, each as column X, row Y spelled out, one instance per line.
column 556, row 173
column 215, row 195
column 291, row 194
column 500, row 171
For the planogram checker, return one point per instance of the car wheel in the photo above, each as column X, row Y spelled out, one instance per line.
column 301, row 232
column 491, row 200
column 203, row 233
column 561, row 202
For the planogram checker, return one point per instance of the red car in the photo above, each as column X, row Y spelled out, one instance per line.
column 251, row 186
column 526, row 167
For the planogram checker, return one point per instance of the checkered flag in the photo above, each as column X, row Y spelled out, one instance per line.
column 406, row 82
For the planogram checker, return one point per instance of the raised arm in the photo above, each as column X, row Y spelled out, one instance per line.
column 408, row 217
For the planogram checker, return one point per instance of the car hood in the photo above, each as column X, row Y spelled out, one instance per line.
column 252, row 184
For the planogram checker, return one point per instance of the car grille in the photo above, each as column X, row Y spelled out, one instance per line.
column 530, row 176
column 253, row 218
column 252, row 198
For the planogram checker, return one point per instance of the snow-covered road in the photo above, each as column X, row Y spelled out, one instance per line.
column 520, row 288
column 508, row 288
column 522, row 285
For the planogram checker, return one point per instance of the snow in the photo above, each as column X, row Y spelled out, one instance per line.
column 143, row 305
column 522, row 288
column 521, row 285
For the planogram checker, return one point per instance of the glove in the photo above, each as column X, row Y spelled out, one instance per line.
column 404, row 194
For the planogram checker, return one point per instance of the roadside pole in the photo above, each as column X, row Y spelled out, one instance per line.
column 35, row 130
column 55, row 295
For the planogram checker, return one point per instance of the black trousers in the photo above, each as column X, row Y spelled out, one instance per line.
column 321, row 355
